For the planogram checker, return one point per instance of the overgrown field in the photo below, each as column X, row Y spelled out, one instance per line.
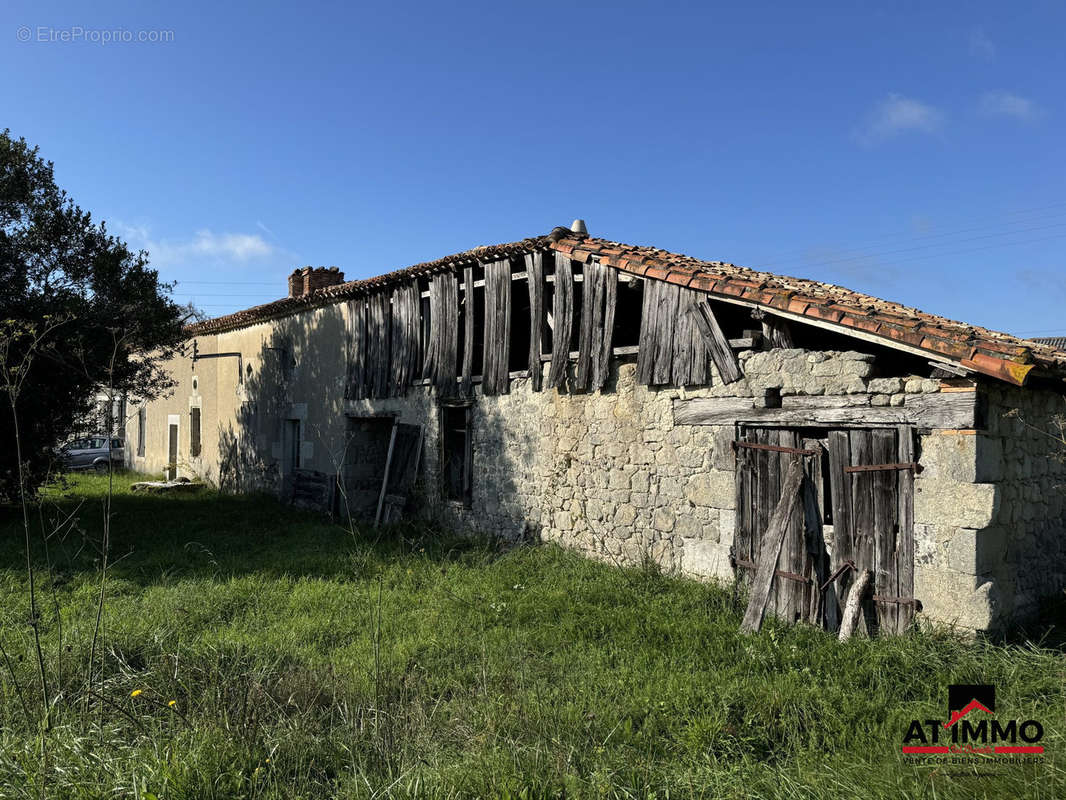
column 253, row 651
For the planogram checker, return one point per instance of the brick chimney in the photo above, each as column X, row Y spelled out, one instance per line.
column 307, row 279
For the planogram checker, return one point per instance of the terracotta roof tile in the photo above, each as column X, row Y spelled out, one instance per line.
column 990, row 352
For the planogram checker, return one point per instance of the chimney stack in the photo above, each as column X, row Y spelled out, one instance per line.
column 307, row 279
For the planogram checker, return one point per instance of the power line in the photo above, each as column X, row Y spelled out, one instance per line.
column 909, row 235
column 231, row 283
column 884, row 253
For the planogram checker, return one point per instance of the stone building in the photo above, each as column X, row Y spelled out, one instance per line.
column 635, row 405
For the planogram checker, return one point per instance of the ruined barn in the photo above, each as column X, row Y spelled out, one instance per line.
column 636, row 404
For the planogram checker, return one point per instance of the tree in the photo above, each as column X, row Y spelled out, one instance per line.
column 78, row 311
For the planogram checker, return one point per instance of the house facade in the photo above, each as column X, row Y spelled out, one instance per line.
column 635, row 405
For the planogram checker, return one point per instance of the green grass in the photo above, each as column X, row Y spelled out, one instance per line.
column 305, row 661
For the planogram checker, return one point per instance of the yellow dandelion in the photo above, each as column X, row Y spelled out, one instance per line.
column 268, row 761
column 172, row 703
column 136, row 692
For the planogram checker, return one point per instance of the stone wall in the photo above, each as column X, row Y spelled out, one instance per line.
column 990, row 513
column 610, row 475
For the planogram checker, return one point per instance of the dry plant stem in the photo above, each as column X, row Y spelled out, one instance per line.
column 106, row 543
column 34, row 614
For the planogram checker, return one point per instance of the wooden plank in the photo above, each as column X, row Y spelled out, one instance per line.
column 886, row 509
column 610, row 305
column 444, row 312
column 699, row 356
column 862, row 512
column 469, row 310
column 414, row 324
column 905, row 536
column 681, row 369
column 742, row 534
column 772, row 540
column 356, row 339
column 768, row 485
column 853, row 608
column 385, row 475
column 840, row 494
column 535, row 272
column 938, row 411
column 815, row 562
column 562, row 311
column 721, row 353
column 497, row 345
column 790, row 593
column 646, row 345
column 587, row 350
column 403, row 327
column 380, row 310
column 665, row 319
column 397, row 320
column 723, row 410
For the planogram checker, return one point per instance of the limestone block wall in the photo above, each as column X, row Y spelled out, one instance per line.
column 990, row 513
column 611, row 475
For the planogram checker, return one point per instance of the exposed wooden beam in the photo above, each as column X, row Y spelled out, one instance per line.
column 941, row 410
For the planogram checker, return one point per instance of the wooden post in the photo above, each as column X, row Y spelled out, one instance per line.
column 562, row 310
column 771, row 547
column 853, row 608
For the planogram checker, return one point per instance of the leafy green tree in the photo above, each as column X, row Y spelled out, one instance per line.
column 78, row 311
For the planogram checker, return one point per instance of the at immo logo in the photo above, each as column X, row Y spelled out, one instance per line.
column 973, row 728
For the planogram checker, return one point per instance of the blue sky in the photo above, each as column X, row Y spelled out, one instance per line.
column 913, row 152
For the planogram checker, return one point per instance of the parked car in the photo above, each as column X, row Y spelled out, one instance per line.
column 93, row 452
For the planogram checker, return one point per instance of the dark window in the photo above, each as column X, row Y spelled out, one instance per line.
column 456, row 453
column 142, row 415
column 518, row 357
column 627, row 312
column 194, row 432
column 478, row 311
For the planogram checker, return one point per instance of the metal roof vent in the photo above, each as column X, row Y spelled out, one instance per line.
column 578, row 226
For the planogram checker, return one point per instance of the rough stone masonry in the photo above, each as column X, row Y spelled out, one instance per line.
column 612, row 476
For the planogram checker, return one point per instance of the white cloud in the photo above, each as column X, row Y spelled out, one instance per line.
column 204, row 244
column 995, row 104
column 231, row 246
column 981, row 46
column 897, row 114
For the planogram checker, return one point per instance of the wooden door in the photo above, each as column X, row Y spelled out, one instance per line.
column 857, row 493
column 763, row 456
column 872, row 486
